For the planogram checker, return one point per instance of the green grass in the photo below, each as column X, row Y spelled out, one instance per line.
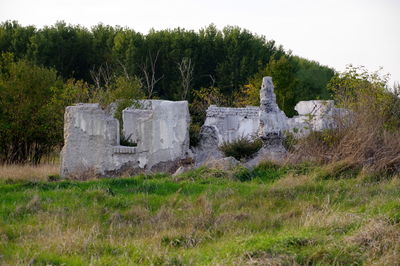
column 270, row 215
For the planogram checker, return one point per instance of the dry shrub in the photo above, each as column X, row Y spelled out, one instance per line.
column 206, row 217
column 369, row 135
column 164, row 218
column 327, row 218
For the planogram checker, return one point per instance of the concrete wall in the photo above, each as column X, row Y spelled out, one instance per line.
column 315, row 115
column 233, row 123
column 160, row 128
column 92, row 139
column 91, row 142
column 268, row 121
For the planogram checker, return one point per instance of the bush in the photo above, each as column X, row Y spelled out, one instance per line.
column 369, row 136
column 29, row 111
column 289, row 141
column 241, row 148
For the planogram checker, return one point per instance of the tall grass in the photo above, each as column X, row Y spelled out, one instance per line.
column 29, row 172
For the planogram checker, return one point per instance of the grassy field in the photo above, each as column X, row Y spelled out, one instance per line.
column 269, row 216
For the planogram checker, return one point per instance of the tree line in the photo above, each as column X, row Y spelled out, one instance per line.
column 104, row 63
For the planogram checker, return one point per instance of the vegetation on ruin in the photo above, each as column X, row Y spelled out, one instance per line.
column 272, row 215
column 241, row 148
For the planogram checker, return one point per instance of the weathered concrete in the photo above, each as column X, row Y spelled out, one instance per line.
column 225, row 124
column 267, row 122
column 92, row 142
column 315, row 115
column 232, row 123
column 160, row 129
column 92, row 139
column 272, row 120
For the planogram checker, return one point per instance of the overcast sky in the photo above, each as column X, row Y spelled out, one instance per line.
column 333, row 32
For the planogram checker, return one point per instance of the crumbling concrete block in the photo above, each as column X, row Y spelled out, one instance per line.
column 160, row 129
column 92, row 139
column 91, row 142
column 273, row 121
column 232, row 123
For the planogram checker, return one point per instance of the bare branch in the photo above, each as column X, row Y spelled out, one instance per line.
column 150, row 79
column 186, row 68
column 103, row 76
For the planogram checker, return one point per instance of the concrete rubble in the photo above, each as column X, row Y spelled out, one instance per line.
column 160, row 130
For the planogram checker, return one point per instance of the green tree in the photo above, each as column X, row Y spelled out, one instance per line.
column 283, row 73
column 28, row 128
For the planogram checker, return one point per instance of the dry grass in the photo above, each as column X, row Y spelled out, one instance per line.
column 368, row 142
column 380, row 241
column 28, row 172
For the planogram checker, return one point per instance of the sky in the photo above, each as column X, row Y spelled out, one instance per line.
column 333, row 32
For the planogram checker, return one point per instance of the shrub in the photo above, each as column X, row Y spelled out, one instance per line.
column 289, row 141
column 241, row 148
column 368, row 137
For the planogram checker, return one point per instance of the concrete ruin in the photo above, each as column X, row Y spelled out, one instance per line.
column 267, row 122
column 92, row 139
column 232, row 123
column 161, row 131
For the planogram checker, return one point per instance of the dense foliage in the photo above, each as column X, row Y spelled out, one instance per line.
column 28, row 119
column 224, row 58
column 295, row 79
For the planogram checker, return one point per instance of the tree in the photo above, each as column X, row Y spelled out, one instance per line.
column 28, row 115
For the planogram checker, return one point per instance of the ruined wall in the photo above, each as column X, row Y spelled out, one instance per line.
column 272, row 120
column 92, row 138
column 268, row 121
column 161, row 131
column 315, row 115
column 232, row 123
column 91, row 142
column 160, row 128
